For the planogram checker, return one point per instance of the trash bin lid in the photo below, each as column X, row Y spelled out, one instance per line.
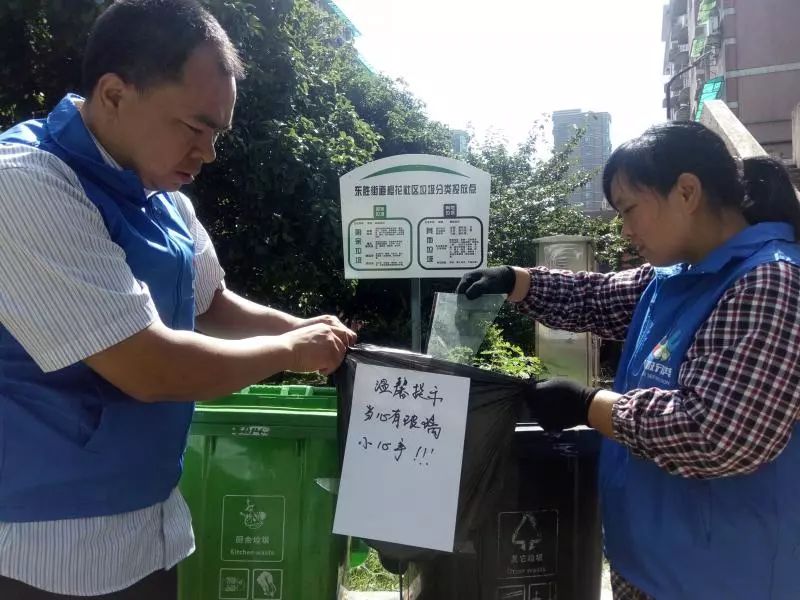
column 266, row 411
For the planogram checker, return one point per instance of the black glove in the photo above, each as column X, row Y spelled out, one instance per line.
column 494, row 280
column 559, row 404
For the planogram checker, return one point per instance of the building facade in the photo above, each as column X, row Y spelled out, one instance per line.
column 591, row 154
column 349, row 30
column 459, row 142
column 745, row 52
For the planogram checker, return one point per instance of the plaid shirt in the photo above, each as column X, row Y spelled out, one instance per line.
column 747, row 351
column 623, row 590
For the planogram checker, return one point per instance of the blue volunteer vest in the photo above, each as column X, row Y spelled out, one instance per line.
column 733, row 538
column 71, row 444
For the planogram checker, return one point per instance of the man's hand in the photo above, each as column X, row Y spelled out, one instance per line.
column 232, row 317
column 317, row 347
column 493, row 280
column 331, row 321
column 559, row 404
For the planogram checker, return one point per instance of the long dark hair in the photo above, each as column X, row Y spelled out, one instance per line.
column 762, row 191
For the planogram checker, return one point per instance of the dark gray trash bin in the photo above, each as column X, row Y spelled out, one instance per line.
column 542, row 540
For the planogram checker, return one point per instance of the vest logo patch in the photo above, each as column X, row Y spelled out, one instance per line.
column 656, row 365
column 661, row 351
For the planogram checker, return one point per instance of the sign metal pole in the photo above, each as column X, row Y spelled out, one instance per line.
column 416, row 315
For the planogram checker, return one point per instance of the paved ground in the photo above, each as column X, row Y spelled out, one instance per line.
column 394, row 595
column 605, row 592
column 605, row 595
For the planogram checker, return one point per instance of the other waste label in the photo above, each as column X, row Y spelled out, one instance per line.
column 527, row 544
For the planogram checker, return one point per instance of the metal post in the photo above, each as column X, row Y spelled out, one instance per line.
column 667, row 90
column 416, row 315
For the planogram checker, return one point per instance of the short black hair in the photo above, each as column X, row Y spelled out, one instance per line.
column 147, row 42
column 761, row 188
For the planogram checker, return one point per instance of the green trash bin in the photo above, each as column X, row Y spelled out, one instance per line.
column 260, row 475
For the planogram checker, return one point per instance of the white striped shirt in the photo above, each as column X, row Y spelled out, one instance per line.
column 67, row 293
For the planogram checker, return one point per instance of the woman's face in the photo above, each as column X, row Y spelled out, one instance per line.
column 655, row 224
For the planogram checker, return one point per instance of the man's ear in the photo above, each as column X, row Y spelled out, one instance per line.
column 109, row 94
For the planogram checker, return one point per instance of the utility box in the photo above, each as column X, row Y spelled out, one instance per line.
column 565, row 354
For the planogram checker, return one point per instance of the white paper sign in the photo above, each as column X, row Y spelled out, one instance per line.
column 414, row 215
column 402, row 462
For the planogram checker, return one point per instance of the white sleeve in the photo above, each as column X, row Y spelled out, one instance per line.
column 209, row 275
column 66, row 292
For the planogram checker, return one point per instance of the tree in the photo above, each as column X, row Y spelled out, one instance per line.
column 271, row 199
column 41, row 42
column 529, row 200
column 308, row 112
column 395, row 114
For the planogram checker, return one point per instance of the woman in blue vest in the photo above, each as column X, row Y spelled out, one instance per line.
column 700, row 474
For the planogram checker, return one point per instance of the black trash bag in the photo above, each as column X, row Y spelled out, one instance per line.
column 496, row 403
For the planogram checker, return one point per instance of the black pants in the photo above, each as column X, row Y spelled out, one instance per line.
column 161, row 585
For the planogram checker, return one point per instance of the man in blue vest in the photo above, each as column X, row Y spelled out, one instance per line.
column 105, row 274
